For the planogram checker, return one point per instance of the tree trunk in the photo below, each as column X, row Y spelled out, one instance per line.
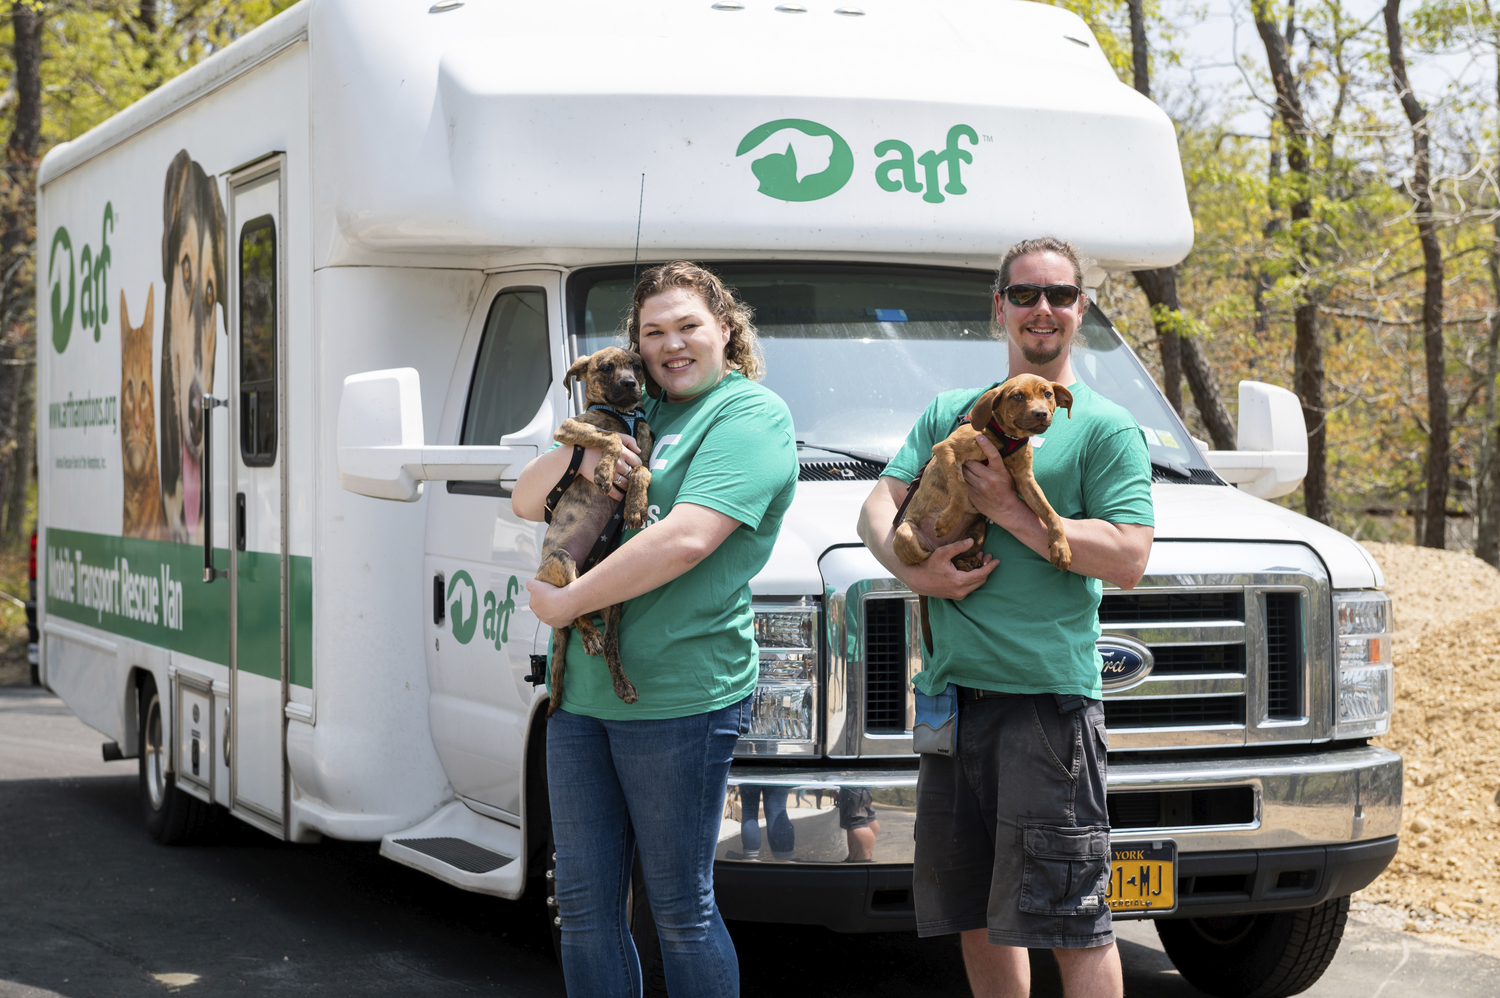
column 1435, row 519
column 1308, row 355
column 1487, row 502
column 17, row 243
column 1139, row 53
column 1487, row 537
column 21, row 461
column 1179, row 354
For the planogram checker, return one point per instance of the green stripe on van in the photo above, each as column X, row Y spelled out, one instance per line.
column 153, row 592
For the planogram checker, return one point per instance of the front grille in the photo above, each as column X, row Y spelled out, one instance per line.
column 1283, row 656
column 1185, row 659
column 1183, row 712
column 1182, row 808
column 1232, row 652
column 1151, row 608
column 885, row 666
column 838, row 471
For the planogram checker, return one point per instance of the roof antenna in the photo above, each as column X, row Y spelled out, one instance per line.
column 636, row 266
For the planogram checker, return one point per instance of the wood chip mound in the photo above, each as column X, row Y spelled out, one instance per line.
column 1445, row 880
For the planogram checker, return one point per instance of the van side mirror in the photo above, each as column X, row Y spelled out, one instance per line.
column 380, row 441
column 1272, row 439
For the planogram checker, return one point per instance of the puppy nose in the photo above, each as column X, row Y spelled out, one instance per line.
column 627, row 382
column 1039, row 413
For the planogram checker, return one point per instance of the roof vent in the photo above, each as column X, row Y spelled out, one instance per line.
column 849, row 11
column 792, row 8
column 1077, row 41
column 729, row 5
column 443, row 6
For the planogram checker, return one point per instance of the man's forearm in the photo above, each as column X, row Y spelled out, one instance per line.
column 876, row 530
column 1114, row 552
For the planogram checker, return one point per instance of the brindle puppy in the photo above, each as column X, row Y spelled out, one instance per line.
column 940, row 512
column 611, row 377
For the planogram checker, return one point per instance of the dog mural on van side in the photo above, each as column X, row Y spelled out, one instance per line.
column 193, row 271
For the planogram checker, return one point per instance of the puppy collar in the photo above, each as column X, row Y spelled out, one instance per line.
column 1008, row 444
column 628, row 418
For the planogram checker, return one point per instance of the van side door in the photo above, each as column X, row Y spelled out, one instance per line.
column 506, row 390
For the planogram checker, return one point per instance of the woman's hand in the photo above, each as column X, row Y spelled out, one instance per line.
column 630, row 458
column 552, row 605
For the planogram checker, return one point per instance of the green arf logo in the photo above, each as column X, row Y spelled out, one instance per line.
column 778, row 172
column 463, row 626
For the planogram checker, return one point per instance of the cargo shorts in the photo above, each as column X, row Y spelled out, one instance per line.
column 1012, row 832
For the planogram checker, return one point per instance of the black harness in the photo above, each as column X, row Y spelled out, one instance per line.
column 609, row 534
column 1008, row 446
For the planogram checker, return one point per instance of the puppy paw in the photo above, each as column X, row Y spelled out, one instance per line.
column 948, row 520
column 593, row 643
column 604, row 475
column 969, row 560
column 625, row 690
column 1060, row 554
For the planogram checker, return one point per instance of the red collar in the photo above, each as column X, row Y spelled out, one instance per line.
column 1008, row 444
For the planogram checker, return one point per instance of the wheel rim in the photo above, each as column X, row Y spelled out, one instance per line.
column 156, row 775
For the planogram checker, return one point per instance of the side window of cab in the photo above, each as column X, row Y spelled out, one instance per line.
column 512, row 372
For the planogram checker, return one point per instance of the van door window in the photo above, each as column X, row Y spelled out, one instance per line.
column 513, row 370
column 258, row 342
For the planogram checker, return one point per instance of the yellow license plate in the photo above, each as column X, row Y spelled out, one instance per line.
column 1143, row 876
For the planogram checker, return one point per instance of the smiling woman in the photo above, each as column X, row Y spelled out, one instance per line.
column 651, row 775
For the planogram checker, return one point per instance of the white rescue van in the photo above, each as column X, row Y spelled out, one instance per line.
column 304, row 314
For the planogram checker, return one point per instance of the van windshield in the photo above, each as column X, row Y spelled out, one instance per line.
column 858, row 351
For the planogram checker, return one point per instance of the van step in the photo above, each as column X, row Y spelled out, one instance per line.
column 457, row 853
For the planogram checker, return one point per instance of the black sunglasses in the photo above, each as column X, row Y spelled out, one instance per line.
column 1027, row 295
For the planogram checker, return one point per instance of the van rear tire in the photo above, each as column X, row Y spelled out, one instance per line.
column 172, row 817
column 1272, row 955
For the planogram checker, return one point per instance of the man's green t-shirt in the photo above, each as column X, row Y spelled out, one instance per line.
column 689, row 646
column 1031, row 628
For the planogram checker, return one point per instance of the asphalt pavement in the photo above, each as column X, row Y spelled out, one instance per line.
column 90, row 907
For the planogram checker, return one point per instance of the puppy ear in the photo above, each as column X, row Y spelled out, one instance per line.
column 984, row 409
column 577, row 371
column 1063, row 397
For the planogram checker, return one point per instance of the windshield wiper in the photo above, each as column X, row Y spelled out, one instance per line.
column 876, row 459
column 1172, row 468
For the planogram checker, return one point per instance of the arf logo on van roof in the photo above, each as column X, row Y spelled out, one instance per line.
column 817, row 162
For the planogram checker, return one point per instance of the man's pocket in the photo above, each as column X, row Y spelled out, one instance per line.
column 1067, row 869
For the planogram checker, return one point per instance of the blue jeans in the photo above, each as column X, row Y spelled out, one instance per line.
column 778, row 825
column 659, row 786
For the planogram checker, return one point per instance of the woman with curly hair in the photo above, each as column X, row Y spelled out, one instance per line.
column 652, row 775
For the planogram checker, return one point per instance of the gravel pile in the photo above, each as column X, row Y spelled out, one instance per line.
column 1445, row 880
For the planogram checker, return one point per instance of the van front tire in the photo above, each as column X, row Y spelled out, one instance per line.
column 1256, row 956
column 172, row 817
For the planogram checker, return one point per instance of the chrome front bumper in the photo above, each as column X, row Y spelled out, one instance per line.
column 1306, row 799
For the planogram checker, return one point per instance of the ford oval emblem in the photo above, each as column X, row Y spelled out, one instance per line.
column 1126, row 662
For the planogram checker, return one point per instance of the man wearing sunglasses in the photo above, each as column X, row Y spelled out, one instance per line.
column 1012, row 831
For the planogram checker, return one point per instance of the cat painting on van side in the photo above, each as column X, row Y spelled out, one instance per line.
column 143, row 515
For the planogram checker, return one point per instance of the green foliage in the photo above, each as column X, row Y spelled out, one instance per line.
column 100, row 56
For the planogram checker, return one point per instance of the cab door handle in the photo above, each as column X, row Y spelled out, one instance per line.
column 239, row 522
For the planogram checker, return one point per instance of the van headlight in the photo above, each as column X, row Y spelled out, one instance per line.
column 1362, row 660
column 784, row 706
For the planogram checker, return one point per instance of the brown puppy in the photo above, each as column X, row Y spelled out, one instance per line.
column 940, row 512
column 611, row 377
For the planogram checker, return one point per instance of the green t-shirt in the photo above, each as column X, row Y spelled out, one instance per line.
column 689, row 646
column 1031, row 628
